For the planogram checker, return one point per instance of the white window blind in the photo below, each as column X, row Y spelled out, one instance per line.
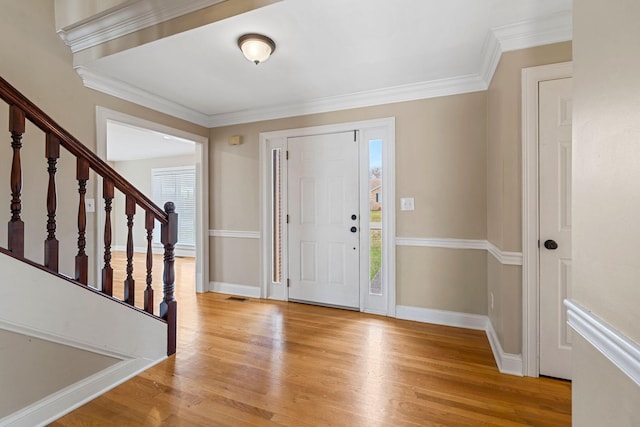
column 177, row 185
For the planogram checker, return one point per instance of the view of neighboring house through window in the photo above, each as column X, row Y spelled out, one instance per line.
column 375, row 225
column 177, row 185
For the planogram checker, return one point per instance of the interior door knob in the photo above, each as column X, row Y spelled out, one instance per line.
column 551, row 244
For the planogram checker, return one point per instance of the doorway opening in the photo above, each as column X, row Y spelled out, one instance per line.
column 328, row 183
column 166, row 164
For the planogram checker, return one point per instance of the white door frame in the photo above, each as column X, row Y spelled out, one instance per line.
column 278, row 139
column 531, row 77
column 103, row 115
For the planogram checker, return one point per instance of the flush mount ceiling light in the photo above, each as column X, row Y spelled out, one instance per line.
column 256, row 47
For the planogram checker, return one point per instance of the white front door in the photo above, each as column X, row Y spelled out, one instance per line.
column 324, row 216
column 555, row 226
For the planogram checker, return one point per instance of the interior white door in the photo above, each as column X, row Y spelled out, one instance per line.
column 323, row 229
column 555, row 112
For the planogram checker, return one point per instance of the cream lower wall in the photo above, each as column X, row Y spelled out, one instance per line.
column 234, row 261
column 504, row 282
column 442, row 279
column 602, row 394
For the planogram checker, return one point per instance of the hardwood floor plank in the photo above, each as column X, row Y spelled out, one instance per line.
column 265, row 363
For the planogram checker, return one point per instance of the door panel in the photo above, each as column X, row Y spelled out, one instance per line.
column 323, row 196
column 555, row 225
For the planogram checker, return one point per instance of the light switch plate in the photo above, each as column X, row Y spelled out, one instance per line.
column 406, row 204
column 90, row 204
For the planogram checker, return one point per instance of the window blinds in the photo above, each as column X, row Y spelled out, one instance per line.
column 177, row 185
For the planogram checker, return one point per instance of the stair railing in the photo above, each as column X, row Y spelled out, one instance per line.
column 22, row 109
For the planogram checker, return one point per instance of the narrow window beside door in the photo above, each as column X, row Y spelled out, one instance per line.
column 375, row 211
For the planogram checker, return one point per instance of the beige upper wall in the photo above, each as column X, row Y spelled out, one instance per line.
column 504, row 142
column 606, row 162
column 440, row 161
column 35, row 61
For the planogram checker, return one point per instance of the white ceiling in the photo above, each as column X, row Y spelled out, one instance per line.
column 331, row 54
column 126, row 142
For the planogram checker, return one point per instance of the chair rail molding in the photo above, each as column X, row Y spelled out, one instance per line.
column 615, row 346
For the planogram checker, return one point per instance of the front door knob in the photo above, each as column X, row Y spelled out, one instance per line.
column 551, row 245
column 354, row 229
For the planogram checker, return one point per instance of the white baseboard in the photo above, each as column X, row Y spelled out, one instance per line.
column 508, row 363
column 442, row 317
column 69, row 398
column 615, row 346
column 235, row 289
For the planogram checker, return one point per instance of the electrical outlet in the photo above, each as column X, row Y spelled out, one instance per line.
column 90, row 205
column 491, row 300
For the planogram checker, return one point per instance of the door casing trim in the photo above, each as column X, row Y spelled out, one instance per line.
column 531, row 78
column 388, row 188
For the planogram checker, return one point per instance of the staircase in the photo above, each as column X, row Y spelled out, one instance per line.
column 41, row 308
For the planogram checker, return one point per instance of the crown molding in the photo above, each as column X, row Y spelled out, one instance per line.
column 551, row 29
column 124, row 19
column 554, row 28
column 410, row 92
column 491, row 54
column 131, row 93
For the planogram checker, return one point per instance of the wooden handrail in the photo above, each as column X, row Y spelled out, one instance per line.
column 22, row 109
column 39, row 118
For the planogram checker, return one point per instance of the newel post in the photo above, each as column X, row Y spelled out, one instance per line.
column 169, row 305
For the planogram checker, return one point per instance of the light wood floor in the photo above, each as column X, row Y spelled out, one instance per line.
column 257, row 363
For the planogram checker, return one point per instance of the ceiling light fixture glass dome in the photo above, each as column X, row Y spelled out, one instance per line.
column 256, row 47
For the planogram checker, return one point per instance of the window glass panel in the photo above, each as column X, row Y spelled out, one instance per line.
column 375, row 219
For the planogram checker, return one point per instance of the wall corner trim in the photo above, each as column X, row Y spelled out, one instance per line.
column 242, row 290
column 508, row 363
column 506, row 258
column 615, row 346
